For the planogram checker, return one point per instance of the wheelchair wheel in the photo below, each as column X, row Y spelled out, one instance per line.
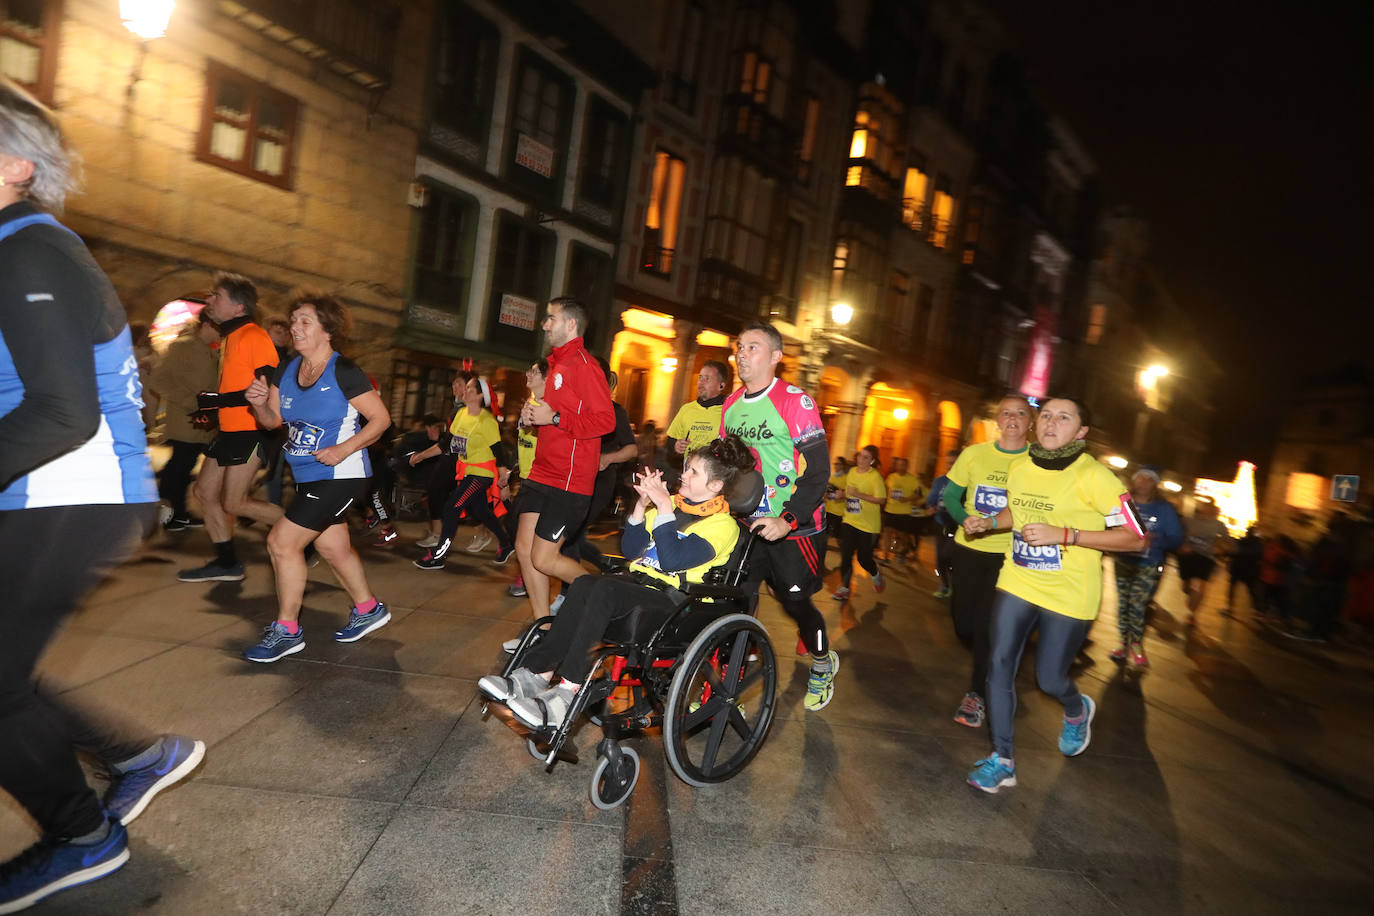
column 612, row 785
column 721, row 701
column 534, row 750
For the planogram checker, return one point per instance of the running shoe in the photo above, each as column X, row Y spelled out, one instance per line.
column 820, row 688
column 1138, row 656
column 548, row 709
column 841, row 593
column 1075, row 736
column 428, row 541
column 182, row 522
column 212, row 572
column 430, row 561
column 943, row 591
column 971, row 710
column 992, row 774
column 480, row 542
column 277, row 643
column 359, row 625
column 130, row 792
column 879, row 583
column 517, row 588
column 1118, row 654
column 503, row 554
column 387, row 537
column 522, row 682
column 556, row 605
column 55, row 864
column 510, row 645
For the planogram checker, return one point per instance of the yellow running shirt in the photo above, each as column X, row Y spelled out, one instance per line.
column 1066, row 580
column 720, row 530
column 982, row 471
column 836, row 506
column 473, row 438
column 525, row 441
column 905, row 495
column 698, row 425
column 861, row 514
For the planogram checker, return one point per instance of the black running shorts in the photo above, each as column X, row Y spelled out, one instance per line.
column 793, row 566
column 228, row 449
column 322, row 503
column 561, row 513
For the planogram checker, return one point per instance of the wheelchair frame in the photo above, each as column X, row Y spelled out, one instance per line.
column 687, row 677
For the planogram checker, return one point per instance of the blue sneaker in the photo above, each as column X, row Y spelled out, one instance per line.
column 130, row 792
column 55, row 864
column 1073, row 740
column 992, row 774
column 276, row 643
column 359, row 625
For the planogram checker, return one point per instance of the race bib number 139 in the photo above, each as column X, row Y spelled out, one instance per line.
column 989, row 500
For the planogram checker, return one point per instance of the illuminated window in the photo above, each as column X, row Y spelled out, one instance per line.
column 941, row 218
column 1097, row 323
column 28, row 43
column 807, row 152
column 247, row 127
column 663, row 213
column 914, row 198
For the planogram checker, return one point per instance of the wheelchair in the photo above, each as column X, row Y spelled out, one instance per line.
column 707, row 675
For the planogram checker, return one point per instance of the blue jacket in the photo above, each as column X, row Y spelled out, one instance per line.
column 1161, row 521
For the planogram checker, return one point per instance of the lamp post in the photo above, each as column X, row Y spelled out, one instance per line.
column 146, row 20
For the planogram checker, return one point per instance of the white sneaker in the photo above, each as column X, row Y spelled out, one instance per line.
column 430, row 541
column 510, row 645
column 555, row 605
column 479, row 542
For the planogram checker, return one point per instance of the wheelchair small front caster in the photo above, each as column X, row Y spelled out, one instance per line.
column 614, row 779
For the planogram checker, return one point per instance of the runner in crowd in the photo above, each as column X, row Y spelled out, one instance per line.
column 1137, row 574
column 670, row 540
column 420, row 457
column 942, row 527
column 782, row 426
column 1244, row 569
column 903, row 512
column 235, row 454
column 76, row 498
column 617, row 447
column 570, row 419
column 477, row 495
column 978, row 487
column 274, row 476
column 864, row 494
column 834, row 498
column 526, row 440
column 1064, row 509
column 332, row 413
column 189, row 367
column 1203, row 536
column 698, row 421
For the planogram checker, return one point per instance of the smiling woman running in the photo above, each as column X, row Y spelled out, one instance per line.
column 1065, row 509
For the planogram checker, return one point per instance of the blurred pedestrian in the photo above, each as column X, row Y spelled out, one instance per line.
column 1203, row 537
column 274, row 474
column 76, row 498
column 834, row 498
column 618, row 448
column 1137, row 574
column 189, row 366
column 1278, row 566
column 697, row 422
column 903, row 512
column 419, row 456
column 864, row 495
column 1243, row 569
column 942, row 526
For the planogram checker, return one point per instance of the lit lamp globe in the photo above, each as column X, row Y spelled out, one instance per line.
column 146, row 18
column 841, row 312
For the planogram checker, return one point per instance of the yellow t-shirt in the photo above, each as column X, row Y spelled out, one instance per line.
column 525, row 441
column 1066, row 580
column 473, row 438
column 720, row 530
column 905, row 495
column 836, row 506
column 698, row 425
column 859, row 513
column 982, row 471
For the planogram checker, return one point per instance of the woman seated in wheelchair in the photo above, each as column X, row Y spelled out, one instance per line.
column 672, row 539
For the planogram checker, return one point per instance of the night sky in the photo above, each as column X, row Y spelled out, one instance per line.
column 1240, row 131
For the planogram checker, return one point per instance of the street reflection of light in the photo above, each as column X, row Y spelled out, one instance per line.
column 146, row 18
column 900, row 413
column 842, row 312
column 1117, row 462
column 669, row 363
column 1172, row 486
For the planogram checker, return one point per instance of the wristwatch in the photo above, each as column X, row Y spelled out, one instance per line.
column 556, row 417
column 788, row 517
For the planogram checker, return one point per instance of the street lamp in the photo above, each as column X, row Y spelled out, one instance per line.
column 1157, row 371
column 146, row 18
column 841, row 313
column 1117, row 462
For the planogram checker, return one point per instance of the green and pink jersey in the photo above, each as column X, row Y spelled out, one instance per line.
column 777, row 424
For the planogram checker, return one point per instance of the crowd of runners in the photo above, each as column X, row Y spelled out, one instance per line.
column 1020, row 522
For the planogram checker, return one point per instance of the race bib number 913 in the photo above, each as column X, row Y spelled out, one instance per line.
column 1045, row 558
column 302, row 438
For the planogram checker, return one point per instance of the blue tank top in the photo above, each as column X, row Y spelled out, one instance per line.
column 112, row 466
column 319, row 416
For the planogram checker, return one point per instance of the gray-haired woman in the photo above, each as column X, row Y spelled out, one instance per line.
column 76, row 497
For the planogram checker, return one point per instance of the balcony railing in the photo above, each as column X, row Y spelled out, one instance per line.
column 657, row 260
column 354, row 38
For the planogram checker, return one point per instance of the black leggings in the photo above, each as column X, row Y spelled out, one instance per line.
column 471, row 496
column 1061, row 637
column 592, row 606
column 855, row 542
column 973, row 579
column 175, row 476
column 49, row 560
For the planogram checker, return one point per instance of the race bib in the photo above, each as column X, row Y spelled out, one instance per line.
column 989, row 500
column 897, row 495
column 1046, row 558
column 853, row 505
column 302, row 438
column 458, row 445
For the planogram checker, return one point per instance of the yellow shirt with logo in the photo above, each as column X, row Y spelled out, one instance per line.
column 905, row 495
column 473, row 438
column 698, row 425
column 836, row 506
column 982, row 471
column 860, row 513
column 720, row 530
column 525, row 441
column 1066, row 580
